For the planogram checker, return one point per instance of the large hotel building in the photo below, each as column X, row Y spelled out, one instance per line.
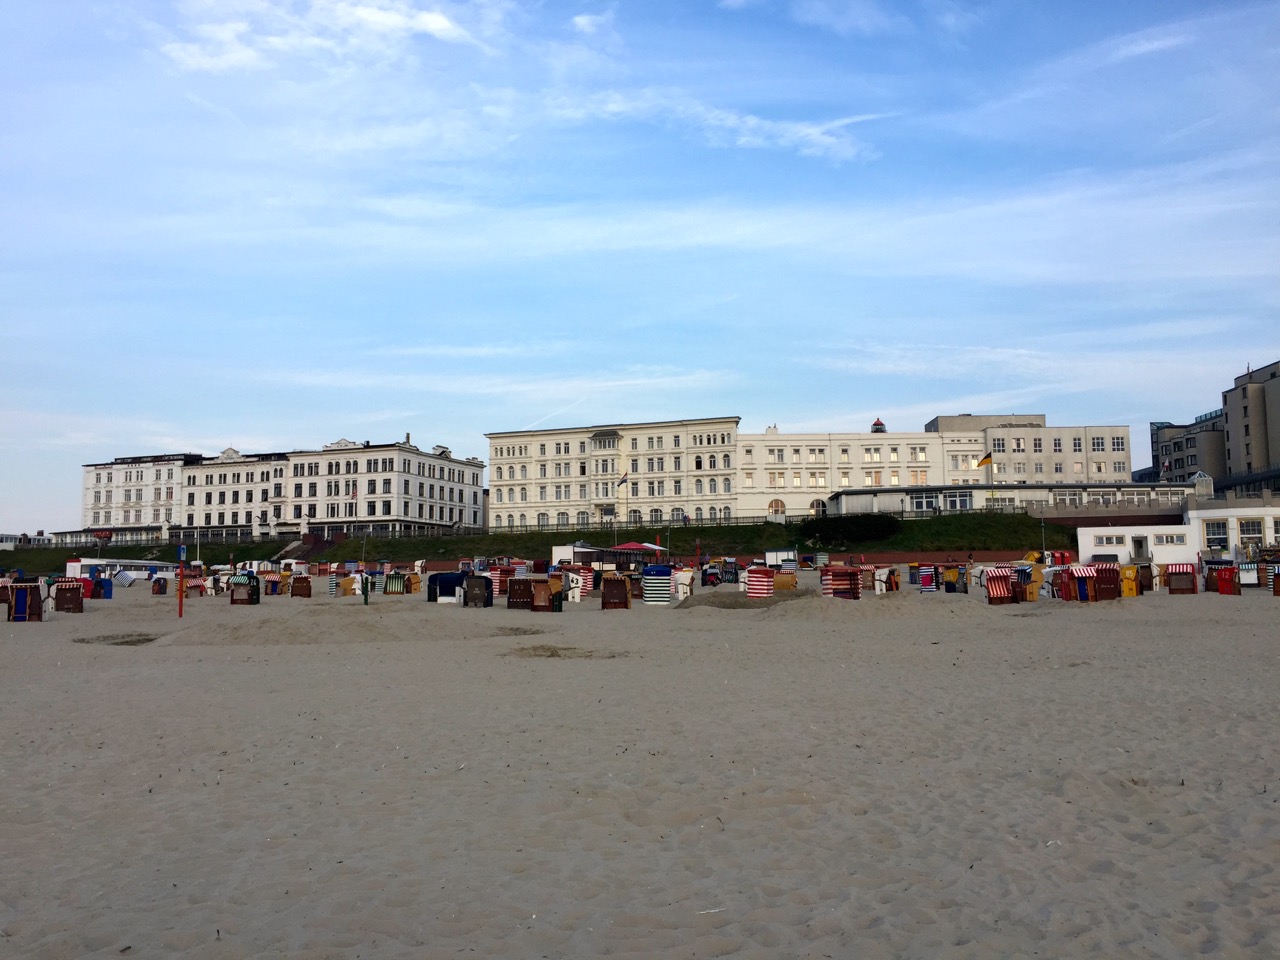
column 345, row 487
column 658, row 472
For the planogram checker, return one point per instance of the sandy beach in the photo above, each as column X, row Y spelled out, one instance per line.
column 900, row 776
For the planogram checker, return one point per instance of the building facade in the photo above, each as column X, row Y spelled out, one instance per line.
column 1233, row 527
column 1180, row 451
column 654, row 472
column 660, row 472
column 345, row 487
column 1251, row 430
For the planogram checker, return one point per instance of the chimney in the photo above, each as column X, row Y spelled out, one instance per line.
column 406, row 436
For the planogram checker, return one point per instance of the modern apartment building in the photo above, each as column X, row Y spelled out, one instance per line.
column 1251, row 430
column 344, row 487
column 654, row 472
column 1180, row 451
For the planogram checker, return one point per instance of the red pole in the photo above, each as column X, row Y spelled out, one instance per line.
column 182, row 590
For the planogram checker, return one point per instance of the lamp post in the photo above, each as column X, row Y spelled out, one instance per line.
column 902, row 507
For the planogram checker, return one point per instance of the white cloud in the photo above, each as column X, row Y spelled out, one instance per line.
column 848, row 17
column 591, row 24
column 721, row 127
column 334, row 30
column 220, row 48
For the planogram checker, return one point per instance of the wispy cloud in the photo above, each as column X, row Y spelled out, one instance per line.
column 265, row 32
column 848, row 17
column 721, row 127
column 592, row 23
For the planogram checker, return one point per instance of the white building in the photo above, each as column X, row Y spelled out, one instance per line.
column 1233, row 528
column 945, row 467
column 345, row 487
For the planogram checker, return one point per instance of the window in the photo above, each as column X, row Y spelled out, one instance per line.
column 1057, row 444
column 1215, row 534
column 997, row 445
column 1018, row 445
column 1117, row 444
column 1077, row 445
column 1118, row 467
column 1099, row 444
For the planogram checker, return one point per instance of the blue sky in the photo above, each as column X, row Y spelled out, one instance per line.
column 269, row 224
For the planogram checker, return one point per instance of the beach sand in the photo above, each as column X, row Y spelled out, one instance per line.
column 900, row 776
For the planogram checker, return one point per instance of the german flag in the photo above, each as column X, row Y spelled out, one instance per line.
column 985, row 461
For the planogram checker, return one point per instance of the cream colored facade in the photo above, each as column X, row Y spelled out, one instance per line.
column 794, row 474
column 655, row 472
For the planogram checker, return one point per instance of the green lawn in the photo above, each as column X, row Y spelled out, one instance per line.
column 957, row 533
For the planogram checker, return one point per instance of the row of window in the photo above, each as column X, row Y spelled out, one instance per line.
column 133, row 495
column 606, row 490
column 135, row 476
column 1096, row 444
column 133, row 516
column 372, row 508
column 582, row 518
column 609, row 465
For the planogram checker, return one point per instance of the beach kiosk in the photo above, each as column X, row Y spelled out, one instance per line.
column 520, row 594
column 999, row 584
column 25, row 603
column 245, row 589
column 841, row 582
column 1180, row 577
column 656, row 583
column 68, row 595
column 760, row 581
column 615, row 592
column 1108, row 581
column 478, row 592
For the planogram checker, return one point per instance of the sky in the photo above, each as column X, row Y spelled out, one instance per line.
column 272, row 224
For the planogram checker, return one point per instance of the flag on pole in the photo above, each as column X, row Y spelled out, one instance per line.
column 985, row 461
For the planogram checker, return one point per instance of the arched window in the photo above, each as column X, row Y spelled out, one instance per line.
column 584, row 518
column 633, row 517
column 511, row 521
column 697, row 462
column 711, row 462
column 725, row 461
column 727, row 486
column 677, row 514
column 697, row 513
column 655, row 515
column 524, row 522
column 544, row 521
column 818, row 508
column 711, row 513
column 524, row 472
column 498, row 494
column 511, row 494
column 711, row 485
column 777, row 508
column 724, row 514
column 697, row 486
column 524, row 494
column 497, row 473
column 562, row 518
